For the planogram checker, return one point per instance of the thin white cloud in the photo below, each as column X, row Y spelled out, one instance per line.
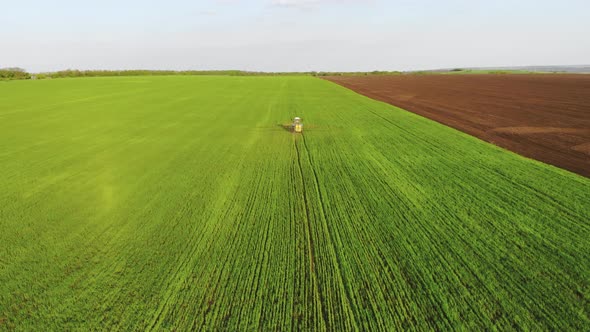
column 311, row 4
column 297, row 4
column 208, row 12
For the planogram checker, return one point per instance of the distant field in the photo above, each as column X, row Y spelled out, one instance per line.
column 160, row 203
column 545, row 117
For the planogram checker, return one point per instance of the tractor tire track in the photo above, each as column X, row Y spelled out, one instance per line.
column 309, row 235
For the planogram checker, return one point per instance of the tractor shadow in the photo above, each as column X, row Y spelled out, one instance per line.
column 286, row 127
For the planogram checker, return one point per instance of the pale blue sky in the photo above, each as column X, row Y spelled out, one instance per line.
column 292, row 35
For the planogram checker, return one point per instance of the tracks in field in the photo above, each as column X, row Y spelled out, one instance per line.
column 319, row 223
column 308, row 228
column 308, row 218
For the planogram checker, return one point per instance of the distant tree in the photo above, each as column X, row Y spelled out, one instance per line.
column 14, row 74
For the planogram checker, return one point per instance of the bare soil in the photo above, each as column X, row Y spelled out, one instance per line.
column 545, row 117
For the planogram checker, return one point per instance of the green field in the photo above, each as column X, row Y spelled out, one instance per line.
column 156, row 203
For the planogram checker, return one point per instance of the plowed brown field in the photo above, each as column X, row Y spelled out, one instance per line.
column 545, row 117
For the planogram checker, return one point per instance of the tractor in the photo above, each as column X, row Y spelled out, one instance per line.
column 297, row 126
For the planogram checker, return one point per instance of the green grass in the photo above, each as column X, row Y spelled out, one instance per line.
column 160, row 203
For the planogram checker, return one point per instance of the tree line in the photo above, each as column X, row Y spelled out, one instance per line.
column 20, row 74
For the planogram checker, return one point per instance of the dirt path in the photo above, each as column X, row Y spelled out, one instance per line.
column 545, row 117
